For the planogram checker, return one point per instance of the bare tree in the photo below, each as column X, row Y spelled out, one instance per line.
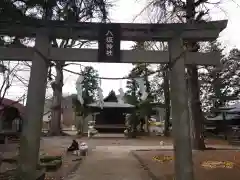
column 155, row 14
column 71, row 11
column 185, row 11
column 11, row 76
column 8, row 76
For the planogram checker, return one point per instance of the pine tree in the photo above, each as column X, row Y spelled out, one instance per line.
column 89, row 95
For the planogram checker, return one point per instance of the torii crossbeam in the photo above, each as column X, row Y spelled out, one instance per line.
column 91, row 55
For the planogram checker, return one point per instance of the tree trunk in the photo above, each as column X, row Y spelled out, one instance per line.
column 55, row 123
column 79, row 122
column 146, row 125
column 79, row 127
column 195, row 109
column 167, row 103
column 83, row 125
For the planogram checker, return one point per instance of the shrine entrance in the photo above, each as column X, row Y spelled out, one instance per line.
column 110, row 118
column 109, row 37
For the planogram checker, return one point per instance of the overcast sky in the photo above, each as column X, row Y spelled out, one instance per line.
column 125, row 11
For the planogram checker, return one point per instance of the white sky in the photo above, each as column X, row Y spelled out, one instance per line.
column 125, row 11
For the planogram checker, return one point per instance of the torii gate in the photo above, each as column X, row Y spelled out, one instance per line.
column 174, row 34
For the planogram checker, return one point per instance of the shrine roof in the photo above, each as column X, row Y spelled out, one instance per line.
column 231, row 109
column 111, row 105
column 12, row 103
column 227, row 117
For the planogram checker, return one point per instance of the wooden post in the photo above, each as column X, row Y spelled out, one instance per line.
column 225, row 125
column 32, row 126
column 167, row 102
column 180, row 115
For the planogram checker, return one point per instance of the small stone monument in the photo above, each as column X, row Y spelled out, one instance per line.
column 83, row 149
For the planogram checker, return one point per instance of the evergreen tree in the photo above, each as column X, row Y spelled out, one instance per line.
column 139, row 70
column 89, row 94
column 133, row 94
column 221, row 84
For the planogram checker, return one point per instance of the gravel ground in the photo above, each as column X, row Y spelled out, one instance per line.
column 165, row 170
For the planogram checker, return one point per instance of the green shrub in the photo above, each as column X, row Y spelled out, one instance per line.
column 47, row 158
column 52, row 165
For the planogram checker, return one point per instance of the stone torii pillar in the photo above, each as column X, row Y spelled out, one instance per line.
column 180, row 115
column 32, row 124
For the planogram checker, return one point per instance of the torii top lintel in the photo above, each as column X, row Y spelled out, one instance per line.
column 204, row 31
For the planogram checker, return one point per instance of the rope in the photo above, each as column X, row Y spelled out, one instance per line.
column 169, row 66
column 108, row 78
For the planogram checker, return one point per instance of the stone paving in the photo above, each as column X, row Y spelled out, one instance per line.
column 110, row 163
column 111, row 159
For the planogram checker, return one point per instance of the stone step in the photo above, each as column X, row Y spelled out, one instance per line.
column 235, row 143
column 234, row 139
column 13, row 140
